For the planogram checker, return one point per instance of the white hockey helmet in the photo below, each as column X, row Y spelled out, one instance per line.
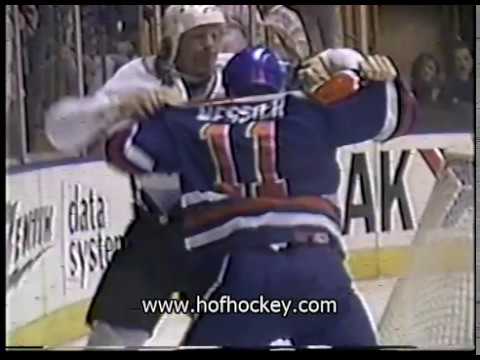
column 179, row 19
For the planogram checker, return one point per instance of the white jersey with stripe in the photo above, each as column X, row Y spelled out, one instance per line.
column 158, row 192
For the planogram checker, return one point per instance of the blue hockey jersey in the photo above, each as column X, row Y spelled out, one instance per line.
column 263, row 162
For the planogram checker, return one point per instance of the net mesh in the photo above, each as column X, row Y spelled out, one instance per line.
column 433, row 306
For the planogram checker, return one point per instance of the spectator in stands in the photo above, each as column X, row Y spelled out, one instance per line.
column 237, row 29
column 235, row 38
column 277, row 26
column 124, row 52
column 426, row 79
column 29, row 19
column 9, row 59
column 289, row 37
column 459, row 87
column 437, row 115
column 48, row 64
column 323, row 25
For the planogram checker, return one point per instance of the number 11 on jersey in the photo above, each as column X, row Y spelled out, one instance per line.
column 264, row 146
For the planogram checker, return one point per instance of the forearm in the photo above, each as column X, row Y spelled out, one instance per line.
column 74, row 124
column 143, row 148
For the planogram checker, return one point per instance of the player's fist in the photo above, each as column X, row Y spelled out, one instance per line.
column 378, row 68
column 320, row 68
column 330, row 77
column 147, row 103
column 313, row 74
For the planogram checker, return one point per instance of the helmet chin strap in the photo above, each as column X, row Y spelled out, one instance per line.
column 195, row 85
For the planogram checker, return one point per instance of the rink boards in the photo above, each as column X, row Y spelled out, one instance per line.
column 65, row 222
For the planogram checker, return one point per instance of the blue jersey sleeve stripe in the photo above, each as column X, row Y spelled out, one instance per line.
column 136, row 155
column 407, row 116
column 391, row 113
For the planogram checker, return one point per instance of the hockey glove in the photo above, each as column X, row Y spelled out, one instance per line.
column 335, row 75
column 146, row 104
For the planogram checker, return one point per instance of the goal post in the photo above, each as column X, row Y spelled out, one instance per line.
column 433, row 306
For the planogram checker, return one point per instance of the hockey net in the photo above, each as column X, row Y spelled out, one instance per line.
column 432, row 307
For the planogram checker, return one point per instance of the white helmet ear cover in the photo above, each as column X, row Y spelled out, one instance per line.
column 181, row 18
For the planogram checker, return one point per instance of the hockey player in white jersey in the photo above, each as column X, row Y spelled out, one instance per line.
column 190, row 69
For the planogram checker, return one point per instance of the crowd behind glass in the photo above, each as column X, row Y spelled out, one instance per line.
column 96, row 40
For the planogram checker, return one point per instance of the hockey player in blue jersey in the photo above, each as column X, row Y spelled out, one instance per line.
column 259, row 179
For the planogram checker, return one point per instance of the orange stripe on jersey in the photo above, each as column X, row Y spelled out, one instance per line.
column 205, row 215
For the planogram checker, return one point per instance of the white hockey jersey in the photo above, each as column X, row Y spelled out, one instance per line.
column 159, row 192
column 156, row 192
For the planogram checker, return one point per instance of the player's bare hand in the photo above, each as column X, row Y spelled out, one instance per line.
column 146, row 104
column 378, row 68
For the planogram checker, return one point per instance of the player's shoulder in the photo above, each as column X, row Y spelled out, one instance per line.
column 135, row 66
column 129, row 73
column 137, row 75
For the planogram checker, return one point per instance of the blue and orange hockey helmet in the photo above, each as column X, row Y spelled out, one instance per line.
column 255, row 71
